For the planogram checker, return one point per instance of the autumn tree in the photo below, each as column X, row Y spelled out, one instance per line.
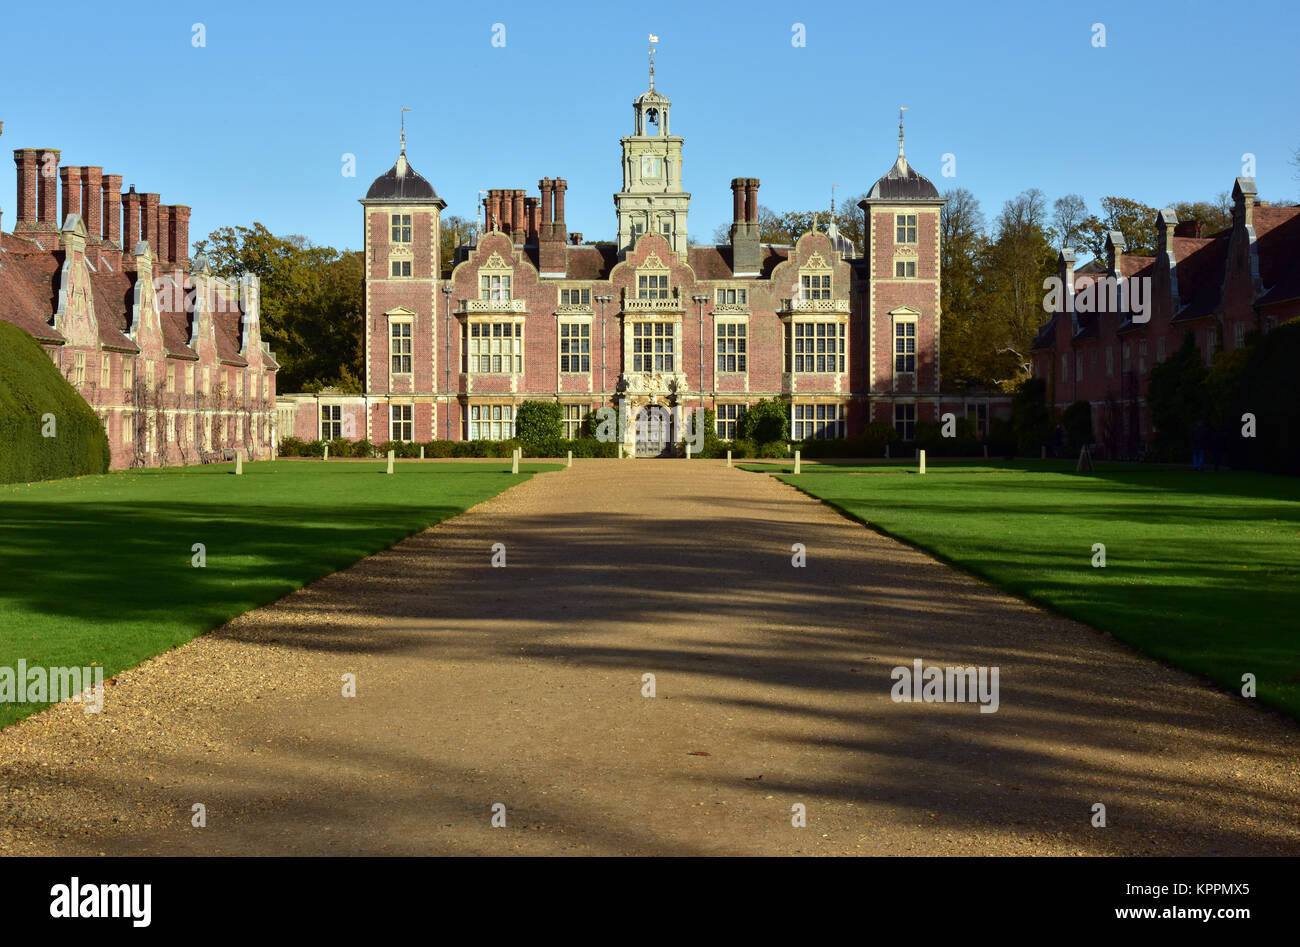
column 1135, row 220
column 312, row 306
column 962, row 248
column 1214, row 215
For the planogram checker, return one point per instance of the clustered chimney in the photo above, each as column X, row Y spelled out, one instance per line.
column 114, row 222
column 746, row 256
column 551, row 231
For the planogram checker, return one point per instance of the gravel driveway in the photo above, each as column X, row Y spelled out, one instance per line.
column 524, row 685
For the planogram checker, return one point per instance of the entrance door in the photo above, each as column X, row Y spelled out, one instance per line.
column 654, row 431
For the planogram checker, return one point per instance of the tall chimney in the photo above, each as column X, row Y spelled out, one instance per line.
column 552, row 260
column 520, row 224
column 746, row 255
column 530, row 214
column 163, row 242
column 92, row 202
column 130, row 220
column 71, row 178
column 180, row 236
column 47, row 198
column 112, row 202
column 494, row 209
column 25, row 161
column 561, row 186
column 149, row 227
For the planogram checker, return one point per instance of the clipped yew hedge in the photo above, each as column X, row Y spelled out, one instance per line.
column 32, row 396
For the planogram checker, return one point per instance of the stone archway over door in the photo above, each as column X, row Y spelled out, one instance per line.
column 654, row 429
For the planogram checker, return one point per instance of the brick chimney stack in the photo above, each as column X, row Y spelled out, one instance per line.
column 518, row 225
column 180, row 236
column 47, row 190
column 494, row 210
column 71, row 178
column 551, row 258
column 163, row 241
column 746, row 255
column 547, row 187
column 92, row 203
column 26, row 162
column 149, row 226
column 530, row 214
column 112, row 203
column 131, row 202
column 561, row 186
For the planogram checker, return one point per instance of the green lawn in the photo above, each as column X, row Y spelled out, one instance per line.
column 98, row 569
column 1202, row 570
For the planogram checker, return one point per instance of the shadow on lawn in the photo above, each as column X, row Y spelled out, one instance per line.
column 796, row 661
column 806, row 655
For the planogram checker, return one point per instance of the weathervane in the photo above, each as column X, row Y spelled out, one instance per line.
column 404, row 111
column 653, row 39
column 901, row 110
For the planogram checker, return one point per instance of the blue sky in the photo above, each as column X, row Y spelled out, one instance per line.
column 253, row 126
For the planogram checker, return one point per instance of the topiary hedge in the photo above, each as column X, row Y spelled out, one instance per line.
column 36, row 401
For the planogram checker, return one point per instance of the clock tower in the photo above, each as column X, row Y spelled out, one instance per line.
column 652, row 199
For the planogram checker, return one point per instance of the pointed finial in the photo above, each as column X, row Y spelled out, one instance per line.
column 653, row 39
column 901, row 110
column 833, row 187
column 404, row 111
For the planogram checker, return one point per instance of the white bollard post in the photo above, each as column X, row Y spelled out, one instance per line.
column 1044, row 454
column 921, row 454
column 390, row 461
column 514, row 461
column 796, row 461
column 688, row 451
column 620, row 450
column 239, row 463
column 327, row 453
column 422, row 452
column 728, row 458
column 570, row 463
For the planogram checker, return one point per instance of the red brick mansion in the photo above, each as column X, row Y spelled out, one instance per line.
column 1099, row 346
column 650, row 320
column 169, row 356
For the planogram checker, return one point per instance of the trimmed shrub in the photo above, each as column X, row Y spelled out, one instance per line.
column 313, row 449
column 774, row 449
column 538, row 425
column 30, row 388
column 439, row 448
column 765, row 422
column 362, row 448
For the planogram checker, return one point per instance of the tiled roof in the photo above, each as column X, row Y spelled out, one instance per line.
column 590, row 262
column 28, row 287
column 1277, row 232
column 1200, row 268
